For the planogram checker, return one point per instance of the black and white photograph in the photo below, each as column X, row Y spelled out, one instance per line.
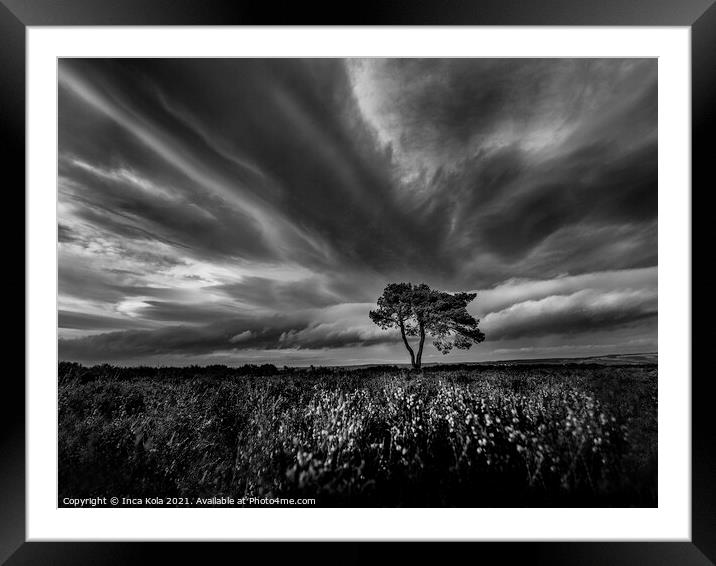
column 344, row 282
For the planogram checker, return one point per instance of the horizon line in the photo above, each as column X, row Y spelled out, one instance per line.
column 400, row 364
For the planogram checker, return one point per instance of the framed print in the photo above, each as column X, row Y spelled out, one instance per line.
column 420, row 276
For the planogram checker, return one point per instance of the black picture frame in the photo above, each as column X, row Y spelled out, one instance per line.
column 17, row 15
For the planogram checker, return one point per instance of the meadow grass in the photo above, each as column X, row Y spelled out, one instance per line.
column 467, row 436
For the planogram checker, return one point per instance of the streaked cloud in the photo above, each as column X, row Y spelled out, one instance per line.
column 254, row 208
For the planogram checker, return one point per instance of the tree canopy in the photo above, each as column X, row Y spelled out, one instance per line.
column 418, row 310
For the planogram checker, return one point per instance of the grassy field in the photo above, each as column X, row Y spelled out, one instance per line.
column 463, row 436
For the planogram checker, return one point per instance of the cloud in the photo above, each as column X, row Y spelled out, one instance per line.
column 259, row 197
column 242, row 337
column 319, row 335
column 582, row 305
column 280, row 294
column 516, row 152
column 515, row 291
column 88, row 321
column 587, row 310
column 276, row 332
column 304, row 177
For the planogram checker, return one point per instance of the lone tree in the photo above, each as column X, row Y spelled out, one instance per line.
column 418, row 310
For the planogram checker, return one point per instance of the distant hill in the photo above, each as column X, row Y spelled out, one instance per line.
column 607, row 360
column 649, row 358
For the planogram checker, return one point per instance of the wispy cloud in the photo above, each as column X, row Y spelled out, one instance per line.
column 214, row 206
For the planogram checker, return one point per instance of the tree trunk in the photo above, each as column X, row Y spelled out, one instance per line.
column 407, row 346
column 419, row 360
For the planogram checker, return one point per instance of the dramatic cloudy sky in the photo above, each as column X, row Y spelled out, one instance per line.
column 239, row 210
